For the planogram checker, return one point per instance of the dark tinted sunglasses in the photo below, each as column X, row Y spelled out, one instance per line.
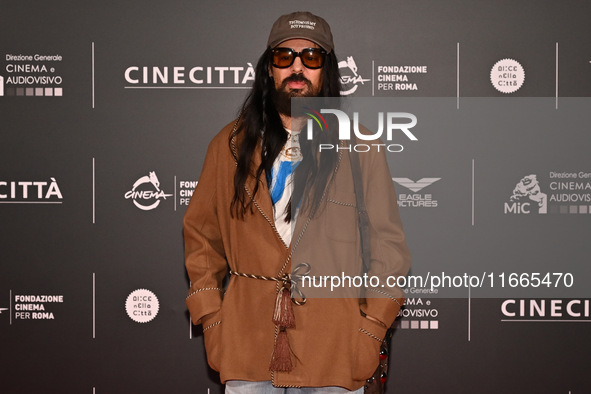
column 312, row 58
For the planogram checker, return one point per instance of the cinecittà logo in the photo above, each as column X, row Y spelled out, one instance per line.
column 146, row 193
column 191, row 77
column 350, row 78
column 30, row 192
column 545, row 309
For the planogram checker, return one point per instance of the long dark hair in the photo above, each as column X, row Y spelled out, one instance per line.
column 259, row 120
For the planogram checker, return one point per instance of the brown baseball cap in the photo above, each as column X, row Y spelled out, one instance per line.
column 301, row 24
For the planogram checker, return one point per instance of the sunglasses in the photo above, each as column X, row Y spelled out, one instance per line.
column 312, row 58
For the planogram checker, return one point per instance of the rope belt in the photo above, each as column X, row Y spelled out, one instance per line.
column 292, row 279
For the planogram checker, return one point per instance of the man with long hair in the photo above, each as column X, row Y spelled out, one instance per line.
column 265, row 200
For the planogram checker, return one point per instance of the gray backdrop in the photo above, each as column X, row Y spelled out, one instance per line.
column 84, row 126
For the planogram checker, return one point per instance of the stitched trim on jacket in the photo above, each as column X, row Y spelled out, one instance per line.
column 211, row 325
column 384, row 293
column 235, row 154
column 371, row 335
column 272, row 223
column 346, row 204
column 205, row 288
column 299, row 238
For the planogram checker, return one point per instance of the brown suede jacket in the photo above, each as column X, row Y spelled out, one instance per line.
column 333, row 343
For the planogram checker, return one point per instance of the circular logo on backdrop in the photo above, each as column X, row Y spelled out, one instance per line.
column 142, row 305
column 350, row 77
column 507, row 75
column 146, row 193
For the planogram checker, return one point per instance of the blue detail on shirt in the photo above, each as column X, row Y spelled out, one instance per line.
column 276, row 182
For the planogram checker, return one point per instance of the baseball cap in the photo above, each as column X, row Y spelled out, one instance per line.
column 301, row 24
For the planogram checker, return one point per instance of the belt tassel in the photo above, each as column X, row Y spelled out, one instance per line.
column 281, row 360
column 283, row 315
column 284, row 318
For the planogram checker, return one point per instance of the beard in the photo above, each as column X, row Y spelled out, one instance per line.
column 282, row 96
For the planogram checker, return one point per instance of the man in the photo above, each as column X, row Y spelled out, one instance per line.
column 247, row 218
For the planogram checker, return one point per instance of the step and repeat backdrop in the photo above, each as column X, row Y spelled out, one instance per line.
column 107, row 109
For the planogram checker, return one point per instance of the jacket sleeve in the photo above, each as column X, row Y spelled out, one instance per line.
column 204, row 250
column 390, row 257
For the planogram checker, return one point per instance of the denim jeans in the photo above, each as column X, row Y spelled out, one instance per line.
column 244, row 387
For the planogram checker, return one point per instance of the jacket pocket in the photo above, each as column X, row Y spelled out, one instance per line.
column 341, row 217
column 212, row 338
column 367, row 351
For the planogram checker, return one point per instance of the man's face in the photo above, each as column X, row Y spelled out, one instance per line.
column 297, row 80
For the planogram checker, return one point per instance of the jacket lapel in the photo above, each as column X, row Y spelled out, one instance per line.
column 262, row 201
column 263, row 198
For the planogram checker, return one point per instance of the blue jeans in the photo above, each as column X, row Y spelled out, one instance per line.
column 244, row 387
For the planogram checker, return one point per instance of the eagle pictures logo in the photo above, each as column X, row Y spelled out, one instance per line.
column 416, row 199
